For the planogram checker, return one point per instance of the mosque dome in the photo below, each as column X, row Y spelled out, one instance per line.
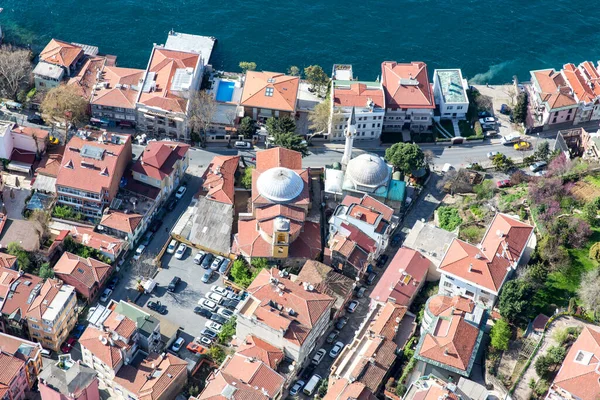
column 280, row 184
column 368, row 170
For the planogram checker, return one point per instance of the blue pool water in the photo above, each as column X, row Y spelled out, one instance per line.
column 225, row 91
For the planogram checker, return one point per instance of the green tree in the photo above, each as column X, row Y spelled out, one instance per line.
column 291, row 141
column 485, row 190
column 316, row 77
column 590, row 212
column 280, row 125
column 247, row 66
column 65, row 104
column 246, row 179
column 240, row 273
column 405, row 157
column 227, row 331
column 217, row 354
column 520, row 110
column 556, row 354
column 542, row 152
column 515, row 300
column 502, row 162
column 294, row 71
column 449, row 218
column 320, row 115
column 247, row 128
column 46, row 271
column 23, row 260
column 542, row 366
column 500, row 335
column 194, row 391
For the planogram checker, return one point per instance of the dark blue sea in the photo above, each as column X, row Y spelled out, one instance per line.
column 490, row 40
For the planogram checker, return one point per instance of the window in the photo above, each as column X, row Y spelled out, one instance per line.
column 34, row 326
column 568, row 117
column 469, row 294
column 378, row 125
column 450, row 107
column 570, row 111
column 459, row 107
column 556, row 113
column 269, row 92
column 554, row 120
column 447, row 284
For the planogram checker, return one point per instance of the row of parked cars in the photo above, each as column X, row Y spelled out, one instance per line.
column 218, row 306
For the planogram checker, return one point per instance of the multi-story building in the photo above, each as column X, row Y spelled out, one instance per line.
column 553, row 101
column 29, row 352
column 19, row 290
column 585, row 84
column 91, row 170
column 269, row 94
column 52, row 314
column 479, row 271
column 292, row 316
column 450, row 93
column 13, row 380
column 409, row 100
column 430, row 387
column 173, row 74
column 86, row 275
column 351, row 251
column 127, row 226
column 114, row 95
column 68, row 380
column 162, row 165
column 21, row 145
column 367, row 100
column 110, row 247
column 58, row 61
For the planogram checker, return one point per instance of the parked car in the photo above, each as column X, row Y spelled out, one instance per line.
column 138, row 252
column 171, row 247
column 360, row 292
column 502, row 183
column 158, row 307
column 202, row 311
column 180, row 192
column 371, row 278
column 225, row 312
column 203, row 340
column 382, row 260
column 172, row 204
column 230, row 303
column 504, row 109
column 487, row 120
column 208, row 333
column 212, row 325
column 537, row 166
column 68, row 345
column 173, row 284
column 336, row 350
column 318, row 357
column 396, row 240
column 199, row 257
column 155, row 225
column 296, row 388
column 78, row 331
column 217, row 298
column 540, row 173
column 484, row 114
column 105, row 295
column 147, row 238
column 332, row 336
column 196, row 348
column 243, row 145
column 36, row 119
column 207, row 276
column 219, row 290
column 206, row 261
column 231, row 295
column 218, row 319
column 224, row 266
column 352, row 306
column 180, row 251
column 522, row 146
column 177, row 345
column 492, row 154
column 341, row 323
column 208, row 304
column 216, row 263
column 112, row 284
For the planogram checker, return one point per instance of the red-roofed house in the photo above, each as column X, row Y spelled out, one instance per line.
column 578, row 375
column 258, row 348
column 8, row 261
column 162, row 165
column 119, row 224
column 402, row 279
column 63, row 54
column 25, row 350
column 430, row 387
column 553, row 100
column 13, row 382
column 343, row 389
column 87, row 275
column 269, row 94
column 478, row 272
column 367, row 100
column 289, row 315
column 91, row 171
column 352, row 251
column 15, row 289
column 109, row 246
column 409, row 100
column 584, row 81
column 218, row 181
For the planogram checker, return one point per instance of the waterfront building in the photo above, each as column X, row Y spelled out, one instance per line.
column 553, row 101
column 269, row 94
column 585, row 84
column 450, row 93
column 58, row 61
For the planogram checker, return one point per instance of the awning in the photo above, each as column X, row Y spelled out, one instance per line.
column 18, row 166
column 45, row 183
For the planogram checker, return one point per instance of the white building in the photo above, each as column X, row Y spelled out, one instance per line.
column 450, row 93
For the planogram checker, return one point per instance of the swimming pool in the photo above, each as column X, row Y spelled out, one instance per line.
column 225, row 91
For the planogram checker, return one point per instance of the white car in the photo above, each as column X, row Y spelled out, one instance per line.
column 172, row 246
column 138, row 252
column 242, row 145
column 225, row 313
column 180, row 251
column 319, row 356
column 105, row 295
column 203, row 340
column 216, row 262
column 336, row 349
column 208, row 304
column 180, row 192
column 492, row 154
column 217, row 298
column 199, row 257
column 212, row 325
column 177, row 345
column 487, row 120
column 219, row 290
column 297, row 388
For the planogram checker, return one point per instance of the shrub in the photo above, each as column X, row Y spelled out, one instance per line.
column 471, row 233
column 478, row 129
column 449, row 218
column 485, row 190
column 217, row 354
column 65, row 212
column 542, row 366
column 500, row 335
column 227, row 331
column 246, row 179
column 240, row 273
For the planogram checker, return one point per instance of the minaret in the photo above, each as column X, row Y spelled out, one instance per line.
column 350, row 134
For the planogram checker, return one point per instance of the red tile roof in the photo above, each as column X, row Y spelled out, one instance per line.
column 159, row 158
column 406, row 85
column 109, row 354
column 386, row 322
column 120, row 221
column 583, row 92
column 11, row 368
column 85, row 80
column 258, row 348
column 42, row 302
column 500, row 250
column 13, row 282
column 118, row 91
column 342, row 389
column 218, row 181
column 553, row 89
column 51, row 162
column 433, row 389
column 17, row 347
column 440, row 305
column 7, row 260
column 85, row 270
column 402, row 278
column 98, row 241
column 40, row 134
column 61, row 53
column 539, row 323
column 283, row 89
column 278, row 157
column 580, row 378
column 376, row 362
column 357, row 94
column 376, row 205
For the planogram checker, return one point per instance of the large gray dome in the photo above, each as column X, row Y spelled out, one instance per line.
column 368, row 170
column 280, row 184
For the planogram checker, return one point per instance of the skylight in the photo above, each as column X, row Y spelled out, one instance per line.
column 269, row 92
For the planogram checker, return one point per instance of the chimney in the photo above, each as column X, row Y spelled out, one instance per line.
column 470, row 267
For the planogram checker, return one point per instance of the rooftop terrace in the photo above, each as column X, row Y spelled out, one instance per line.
column 451, row 83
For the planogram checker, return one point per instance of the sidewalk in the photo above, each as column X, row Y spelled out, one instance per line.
column 358, row 144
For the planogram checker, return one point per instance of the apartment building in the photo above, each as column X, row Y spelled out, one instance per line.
column 91, row 171
column 52, row 314
column 127, row 226
column 58, row 60
column 269, row 94
column 450, row 93
column 86, row 275
column 409, row 100
column 553, row 101
column 584, row 81
column 66, row 379
column 29, row 352
column 13, row 379
column 20, row 289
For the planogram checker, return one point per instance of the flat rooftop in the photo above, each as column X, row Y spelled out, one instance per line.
column 451, row 83
column 58, row 302
column 430, row 240
column 48, row 70
column 191, row 44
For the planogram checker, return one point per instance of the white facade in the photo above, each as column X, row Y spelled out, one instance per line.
column 10, row 140
column 450, row 93
column 340, row 215
column 413, row 119
column 6, row 141
column 455, row 286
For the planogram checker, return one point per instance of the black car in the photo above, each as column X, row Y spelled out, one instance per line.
column 230, row 303
column 203, row 312
column 172, row 204
column 382, row 260
column 155, row 226
column 174, row 282
column 36, row 119
column 218, row 318
column 147, row 238
column 112, row 284
column 208, row 333
column 341, row 323
column 396, row 239
column 207, row 260
column 156, row 306
column 308, row 372
column 371, row 278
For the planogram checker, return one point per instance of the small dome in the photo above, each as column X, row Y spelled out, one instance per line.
column 280, row 184
column 368, row 170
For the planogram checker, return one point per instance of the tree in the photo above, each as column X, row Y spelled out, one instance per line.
column 556, row 354
column 46, row 271
column 247, row 128
column 449, row 218
column 500, row 335
column 291, row 141
column 240, row 273
column 542, row 366
column 485, row 190
column 502, row 162
column 320, row 116
column 405, row 157
column 217, row 354
column 227, row 331
column 247, row 66
column 15, row 70
column 542, row 152
column 590, row 211
column 589, row 290
column 280, row 125
column 246, row 179
column 429, row 156
column 194, row 391
column 294, row 71
column 202, row 107
column 515, row 299
column 520, row 110
column 316, row 77
column 23, row 261
column 64, row 104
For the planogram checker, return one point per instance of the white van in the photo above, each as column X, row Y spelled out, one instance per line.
column 312, row 385
column 242, row 145
column 171, row 247
column 512, row 138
